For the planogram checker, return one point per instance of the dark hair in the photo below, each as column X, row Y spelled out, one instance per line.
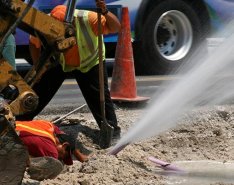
column 67, row 138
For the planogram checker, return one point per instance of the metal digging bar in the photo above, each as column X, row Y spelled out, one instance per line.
column 68, row 114
column 106, row 130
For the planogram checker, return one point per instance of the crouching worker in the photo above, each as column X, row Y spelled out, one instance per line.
column 49, row 148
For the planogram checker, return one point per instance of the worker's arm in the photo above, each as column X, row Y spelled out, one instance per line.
column 112, row 22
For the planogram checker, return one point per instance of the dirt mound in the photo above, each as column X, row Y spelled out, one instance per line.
column 203, row 134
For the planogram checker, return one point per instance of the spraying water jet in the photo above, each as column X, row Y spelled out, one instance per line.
column 208, row 81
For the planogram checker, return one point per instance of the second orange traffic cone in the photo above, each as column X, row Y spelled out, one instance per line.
column 123, row 84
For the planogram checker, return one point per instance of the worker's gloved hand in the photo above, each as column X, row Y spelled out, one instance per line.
column 79, row 156
column 6, row 3
column 102, row 5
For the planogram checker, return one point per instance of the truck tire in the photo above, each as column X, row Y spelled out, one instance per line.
column 171, row 34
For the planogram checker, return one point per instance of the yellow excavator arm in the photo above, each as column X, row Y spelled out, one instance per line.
column 57, row 36
column 16, row 94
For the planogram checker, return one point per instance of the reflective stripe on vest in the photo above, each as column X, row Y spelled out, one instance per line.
column 87, row 44
column 37, row 127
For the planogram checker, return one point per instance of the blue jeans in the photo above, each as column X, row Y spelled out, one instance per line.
column 9, row 49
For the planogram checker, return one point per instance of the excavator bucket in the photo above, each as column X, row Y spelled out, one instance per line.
column 13, row 154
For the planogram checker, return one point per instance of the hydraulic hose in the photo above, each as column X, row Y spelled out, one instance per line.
column 70, row 11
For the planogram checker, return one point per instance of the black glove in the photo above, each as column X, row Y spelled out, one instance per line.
column 6, row 3
column 102, row 5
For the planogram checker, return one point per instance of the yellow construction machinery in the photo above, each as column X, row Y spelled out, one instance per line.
column 16, row 94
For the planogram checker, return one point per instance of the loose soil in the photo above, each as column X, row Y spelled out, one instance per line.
column 205, row 133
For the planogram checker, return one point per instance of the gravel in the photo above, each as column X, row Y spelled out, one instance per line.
column 205, row 133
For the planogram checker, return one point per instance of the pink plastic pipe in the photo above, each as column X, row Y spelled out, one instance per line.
column 165, row 165
column 117, row 150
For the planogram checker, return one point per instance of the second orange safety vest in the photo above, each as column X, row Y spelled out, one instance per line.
column 37, row 127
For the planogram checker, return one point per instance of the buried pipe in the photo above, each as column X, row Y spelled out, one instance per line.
column 165, row 165
column 161, row 164
column 115, row 151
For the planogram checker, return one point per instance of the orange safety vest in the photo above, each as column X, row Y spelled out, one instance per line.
column 84, row 55
column 37, row 127
column 72, row 56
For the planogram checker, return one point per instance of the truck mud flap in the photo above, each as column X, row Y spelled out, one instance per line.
column 13, row 155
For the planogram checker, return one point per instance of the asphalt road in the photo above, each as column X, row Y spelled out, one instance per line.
column 69, row 92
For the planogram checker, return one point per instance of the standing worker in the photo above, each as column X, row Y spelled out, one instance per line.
column 82, row 61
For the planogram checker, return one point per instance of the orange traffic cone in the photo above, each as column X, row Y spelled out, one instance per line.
column 123, row 84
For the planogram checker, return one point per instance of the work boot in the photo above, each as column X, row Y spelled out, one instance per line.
column 41, row 168
column 13, row 155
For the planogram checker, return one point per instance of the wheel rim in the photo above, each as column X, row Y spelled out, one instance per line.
column 173, row 35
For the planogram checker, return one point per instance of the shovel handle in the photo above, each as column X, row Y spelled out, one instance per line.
column 106, row 129
column 101, row 71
